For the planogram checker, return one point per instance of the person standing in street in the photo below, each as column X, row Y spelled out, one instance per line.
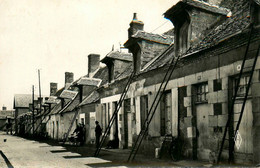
column 98, row 131
column 8, row 126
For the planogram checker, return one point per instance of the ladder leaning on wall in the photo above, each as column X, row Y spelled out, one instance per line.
column 153, row 108
column 113, row 117
column 42, row 119
column 71, row 124
column 233, row 134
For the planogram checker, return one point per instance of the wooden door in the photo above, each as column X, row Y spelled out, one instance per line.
column 202, row 131
column 245, row 148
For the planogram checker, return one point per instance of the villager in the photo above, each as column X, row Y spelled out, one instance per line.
column 83, row 134
column 8, row 126
column 80, row 133
column 98, row 131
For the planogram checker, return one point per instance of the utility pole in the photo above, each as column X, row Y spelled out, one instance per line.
column 40, row 91
column 33, row 108
column 40, row 95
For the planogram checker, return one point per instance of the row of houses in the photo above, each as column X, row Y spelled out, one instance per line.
column 211, row 36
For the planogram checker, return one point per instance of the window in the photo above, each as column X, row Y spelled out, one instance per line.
column 144, row 108
column 217, row 85
column 182, row 34
column 82, row 121
column 110, row 72
column 103, row 116
column 166, row 114
column 242, row 86
column 217, row 108
column 202, row 93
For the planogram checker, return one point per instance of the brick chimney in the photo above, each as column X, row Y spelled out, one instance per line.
column 93, row 63
column 69, row 78
column 53, row 88
column 135, row 25
column 3, row 108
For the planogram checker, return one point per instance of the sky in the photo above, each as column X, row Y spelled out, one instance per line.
column 56, row 36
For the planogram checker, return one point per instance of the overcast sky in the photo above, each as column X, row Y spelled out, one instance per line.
column 56, row 36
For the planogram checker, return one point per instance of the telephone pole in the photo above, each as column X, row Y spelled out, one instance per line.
column 33, row 109
column 40, row 91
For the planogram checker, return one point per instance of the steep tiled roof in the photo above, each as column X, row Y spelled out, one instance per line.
column 235, row 24
column 23, row 100
column 128, row 70
column 198, row 4
column 164, row 39
column 89, row 81
column 92, row 98
column 118, row 55
column 161, row 59
column 68, row 94
column 102, row 74
column 52, row 100
column 232, row 26
column 71, row 105
column 56, row 109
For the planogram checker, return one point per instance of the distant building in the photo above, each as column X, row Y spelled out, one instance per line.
column 4, row 115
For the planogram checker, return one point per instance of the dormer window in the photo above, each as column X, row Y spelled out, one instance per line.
column 110, row 72
column 191, row 19
column 182, row 33
column 183, row 38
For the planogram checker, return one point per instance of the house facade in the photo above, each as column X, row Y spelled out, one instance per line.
column 195, row 105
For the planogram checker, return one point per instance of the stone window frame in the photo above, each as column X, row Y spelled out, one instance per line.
column 242, row 86
column 201, row 92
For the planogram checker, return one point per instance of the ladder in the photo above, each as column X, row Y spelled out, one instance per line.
column 113, row 117
column 28, row 130
column 42, row 120
column 71, row 124
column 36, row 127
column 153, row 108
column 232, row 138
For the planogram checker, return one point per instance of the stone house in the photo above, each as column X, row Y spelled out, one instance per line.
column 21, row 106
column 144, row 48
column 211, row 40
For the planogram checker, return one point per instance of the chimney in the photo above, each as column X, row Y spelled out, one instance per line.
column 3, row 108
column 93, row 63
column 135, row 25
column 53, row 88
column 68, row 79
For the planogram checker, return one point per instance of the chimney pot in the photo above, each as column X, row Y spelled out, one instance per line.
column 135, row 16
